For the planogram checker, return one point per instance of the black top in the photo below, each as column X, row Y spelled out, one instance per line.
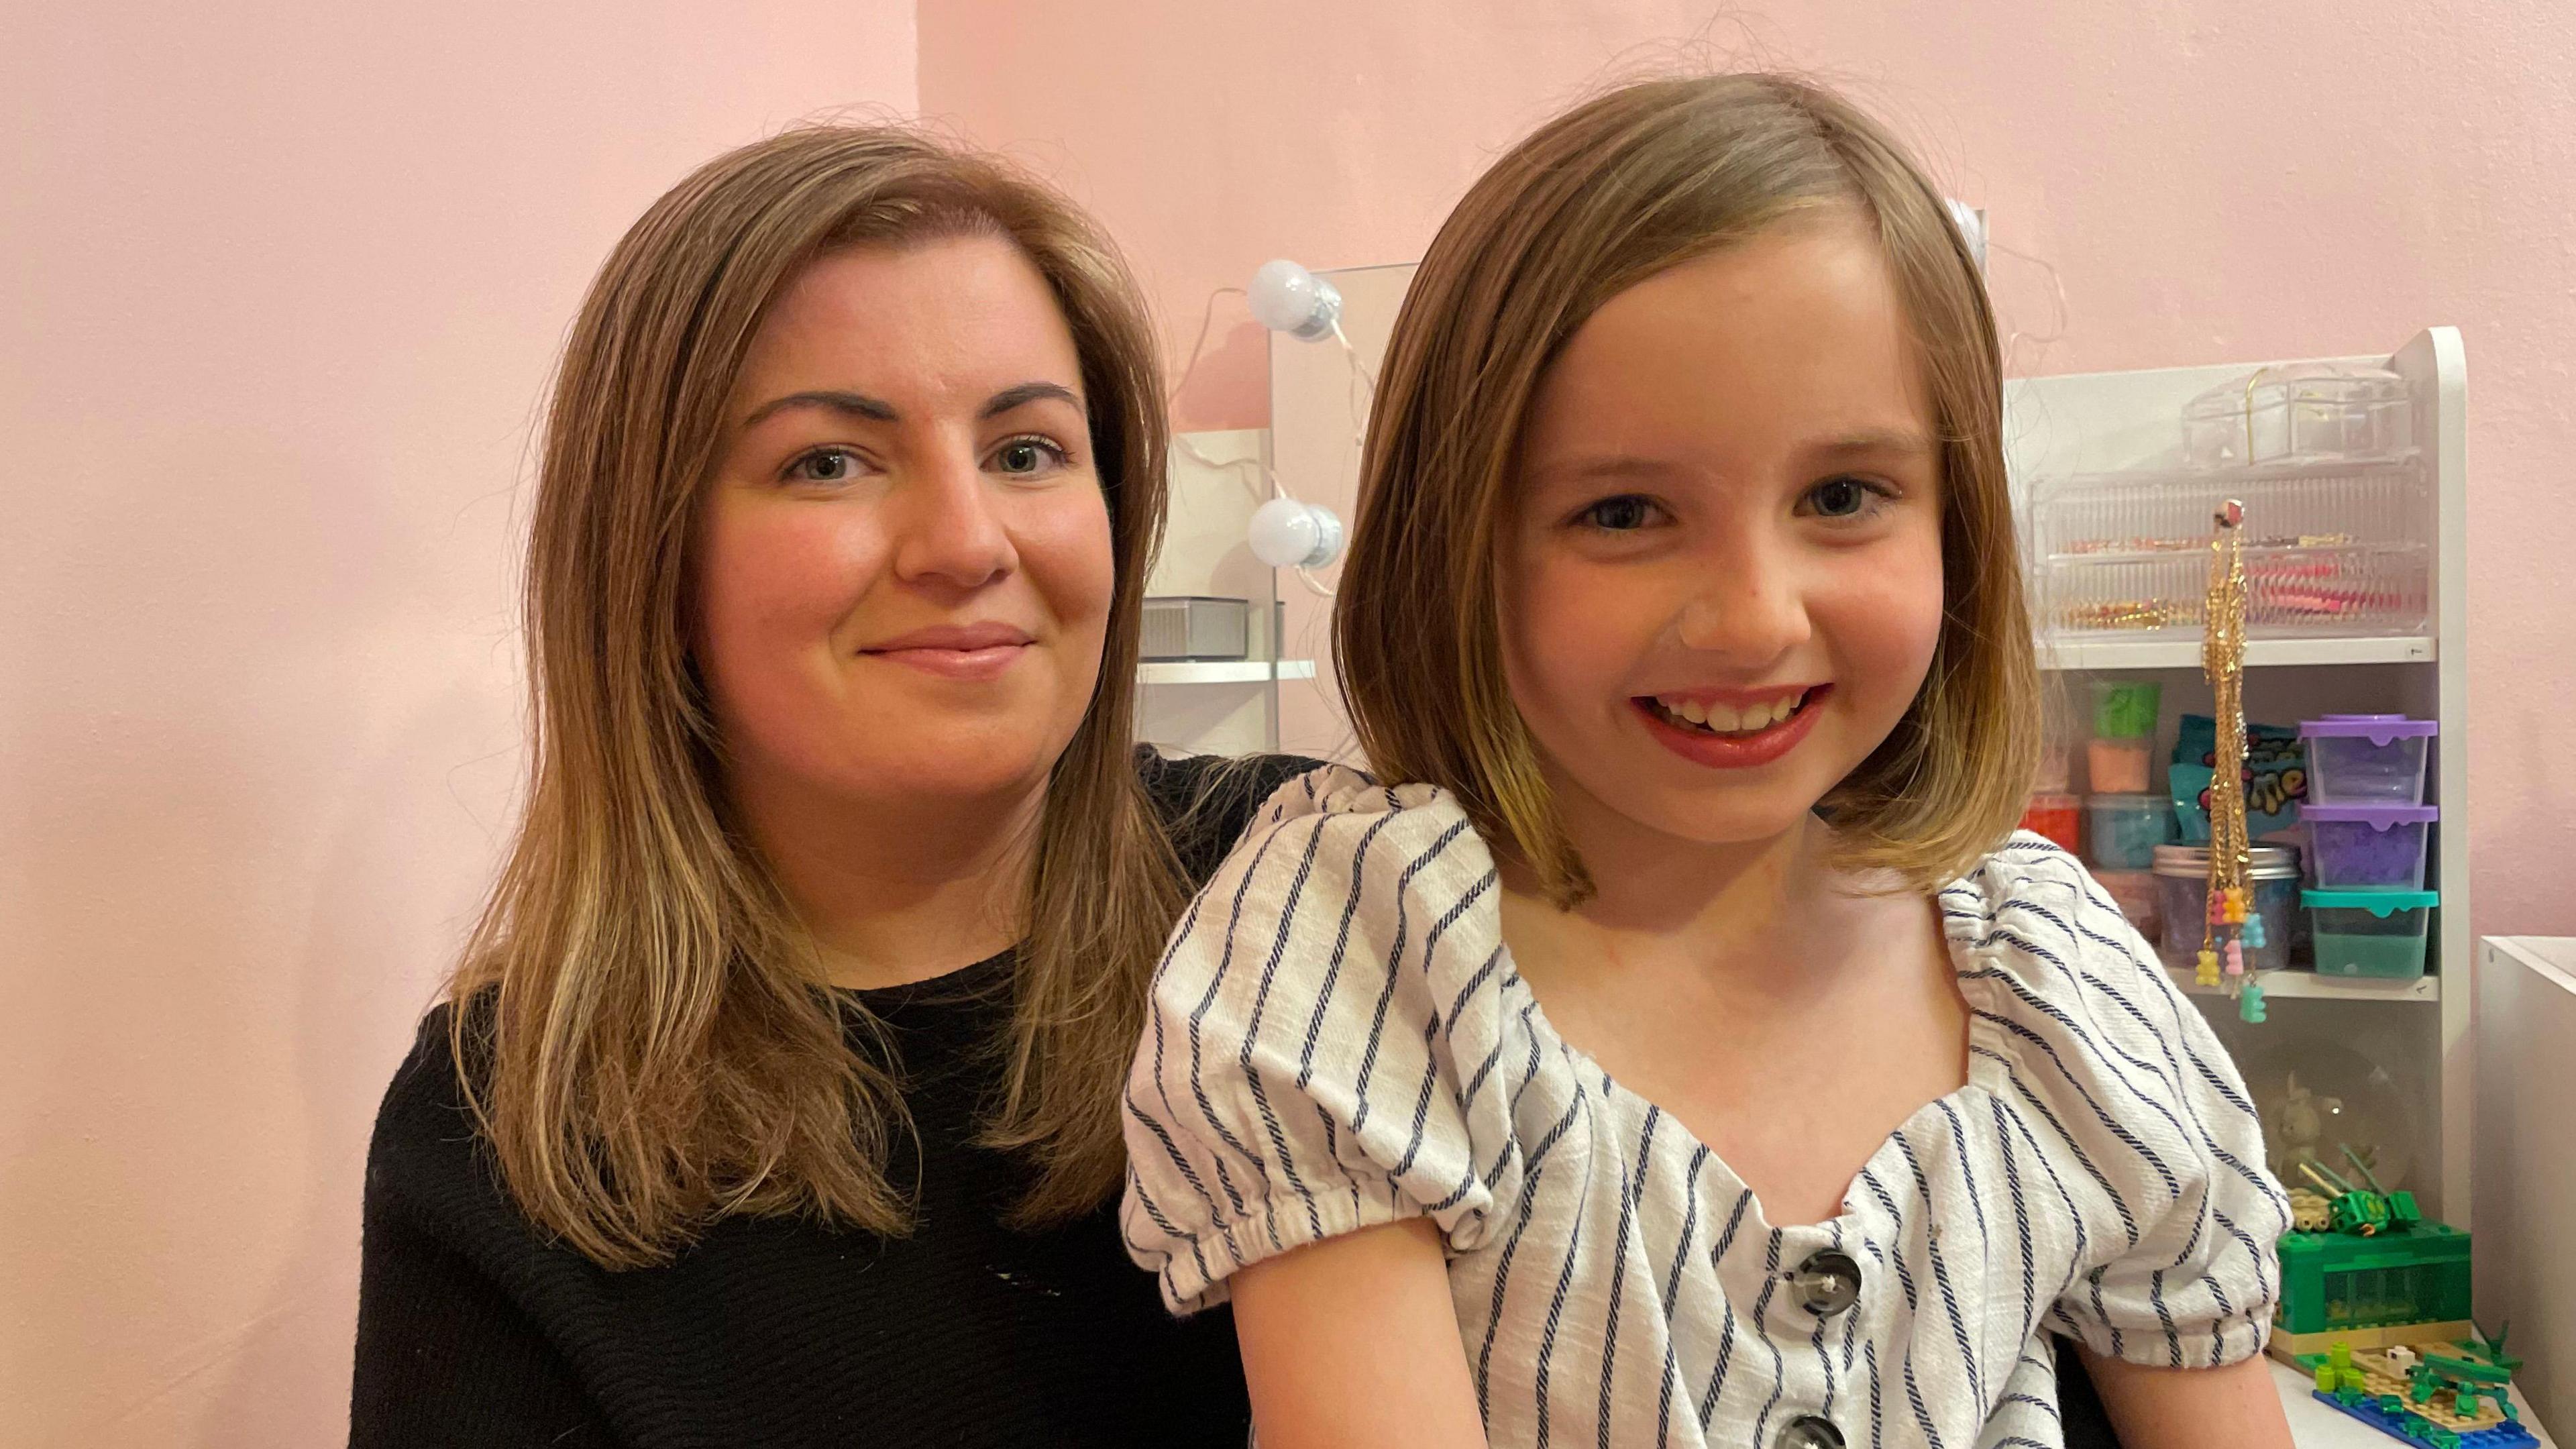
column 473, row 1329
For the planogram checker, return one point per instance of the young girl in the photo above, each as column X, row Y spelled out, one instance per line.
column 1672, row 1045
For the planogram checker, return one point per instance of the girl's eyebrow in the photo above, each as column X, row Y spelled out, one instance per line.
column 1905, row 443
column 1608, row 467
column 1875, row 443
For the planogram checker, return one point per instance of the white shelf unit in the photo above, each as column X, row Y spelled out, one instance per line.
column 1229, row 706
column 2057, row 427
column 2309, row 986
column 2098, row 654
column 1224, row 671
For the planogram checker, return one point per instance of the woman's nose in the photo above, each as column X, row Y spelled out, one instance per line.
column 949, row 529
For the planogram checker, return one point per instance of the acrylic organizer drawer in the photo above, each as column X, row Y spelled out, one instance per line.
column 2369, row 847
column 2327, row 552
column 2376, row 934
column 2358, row 589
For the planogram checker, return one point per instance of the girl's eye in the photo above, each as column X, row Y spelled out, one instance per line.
column 1625, row 513
column 1024, row 457
column 825, row 465
column 1844, row 498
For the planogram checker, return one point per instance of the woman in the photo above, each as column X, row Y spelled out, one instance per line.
column 775, row 1101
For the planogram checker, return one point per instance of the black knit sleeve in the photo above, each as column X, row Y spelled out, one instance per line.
column 1206, row 801
column 445, row 1357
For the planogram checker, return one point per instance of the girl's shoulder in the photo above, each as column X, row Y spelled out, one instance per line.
column 1334, row 867
column 2032, row 912
column 1344, row 818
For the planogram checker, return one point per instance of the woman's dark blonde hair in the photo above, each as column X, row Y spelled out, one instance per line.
column 642, row 1026
column 1598, row 200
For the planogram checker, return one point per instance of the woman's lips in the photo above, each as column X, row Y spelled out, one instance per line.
column 956, row 651
column 986, row 663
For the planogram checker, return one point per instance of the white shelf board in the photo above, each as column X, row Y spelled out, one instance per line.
column 1225, row 671
column 2185, row 653
column 2308, row 985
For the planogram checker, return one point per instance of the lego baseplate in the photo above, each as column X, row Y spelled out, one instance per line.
column 2382, row 1380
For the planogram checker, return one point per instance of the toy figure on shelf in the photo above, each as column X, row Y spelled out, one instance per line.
column 2302, row 1121
column 2359, row 1212
column 2234, row 926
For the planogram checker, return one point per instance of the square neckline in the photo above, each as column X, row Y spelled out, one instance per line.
column 1989, row 1055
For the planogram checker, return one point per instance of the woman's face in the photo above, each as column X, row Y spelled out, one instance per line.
column 903, row 561
column 1723, row 585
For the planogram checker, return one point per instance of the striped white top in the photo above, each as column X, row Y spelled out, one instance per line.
column 1339, row 1039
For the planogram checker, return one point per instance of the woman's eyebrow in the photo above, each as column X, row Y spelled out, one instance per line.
column 852, row 403
column 1026, row 393
column 860, row 405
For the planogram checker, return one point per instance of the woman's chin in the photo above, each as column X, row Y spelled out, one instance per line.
column 959, row 770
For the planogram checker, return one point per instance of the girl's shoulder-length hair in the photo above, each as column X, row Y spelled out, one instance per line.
column 1615, row 191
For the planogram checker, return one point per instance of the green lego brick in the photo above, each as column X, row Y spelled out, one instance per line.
column 2332, row 1281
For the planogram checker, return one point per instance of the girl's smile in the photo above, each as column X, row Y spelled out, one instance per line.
column 1732, row 729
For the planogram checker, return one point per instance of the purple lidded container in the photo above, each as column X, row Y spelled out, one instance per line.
column 2379, row 847
column 2366, row 759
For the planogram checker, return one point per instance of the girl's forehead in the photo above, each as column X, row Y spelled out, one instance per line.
column 1790, row 344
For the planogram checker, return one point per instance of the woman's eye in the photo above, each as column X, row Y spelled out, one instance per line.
column 1623, row 514
column 825, row 465
column 1843, row 498
column 1026, row 456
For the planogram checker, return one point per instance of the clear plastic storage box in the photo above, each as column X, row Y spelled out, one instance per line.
column 2135, row 892
column 2182, row 876
column 2367, row 759
column 2126, row 829
column 2375, row 934
column 2306, row 413
column 2369, row 847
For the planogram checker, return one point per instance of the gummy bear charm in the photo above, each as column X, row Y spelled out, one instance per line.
column 2207, row 974
column 2253, row 935
column 2235, row 958
column 2249, row 1006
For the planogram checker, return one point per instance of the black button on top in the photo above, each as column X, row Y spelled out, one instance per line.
column 1827, row 1283
column 1809, row 1432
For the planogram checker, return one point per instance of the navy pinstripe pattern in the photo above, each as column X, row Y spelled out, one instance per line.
column 1338, row 1039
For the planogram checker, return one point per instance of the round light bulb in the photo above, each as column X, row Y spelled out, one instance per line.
column 1972, row 229
column 1287, row 298
column 1287, row 534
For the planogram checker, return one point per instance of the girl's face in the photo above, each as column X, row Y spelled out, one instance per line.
column 904, row 566
column 1722, row 586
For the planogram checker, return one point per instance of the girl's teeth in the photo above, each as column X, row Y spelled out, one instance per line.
column 1727, row 719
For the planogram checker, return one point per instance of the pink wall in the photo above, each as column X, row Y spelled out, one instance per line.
column 287, row 281
column 2212, row 181
column 284, row 283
